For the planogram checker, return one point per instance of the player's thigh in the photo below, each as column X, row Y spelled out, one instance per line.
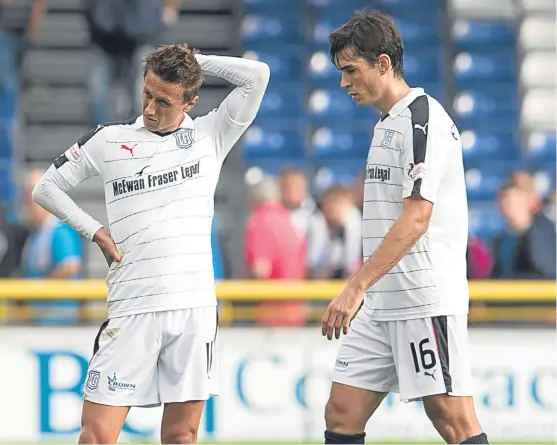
column 180, row 421
column 364, row 372
column 188, row 364
column 431, row 356
column 101, row 423
column 123, row 369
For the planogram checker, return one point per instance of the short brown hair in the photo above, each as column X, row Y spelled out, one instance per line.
column 176, row 63
column 337, row 191
column 369, row 34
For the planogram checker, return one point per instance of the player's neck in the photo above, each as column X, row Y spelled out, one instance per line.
column 397, row 90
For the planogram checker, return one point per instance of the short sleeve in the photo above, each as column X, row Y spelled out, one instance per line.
column 81, row 160
column 424, row 152
column 66, row 245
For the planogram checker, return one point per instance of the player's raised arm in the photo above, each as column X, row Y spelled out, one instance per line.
column 69, row 169
column 240, row 107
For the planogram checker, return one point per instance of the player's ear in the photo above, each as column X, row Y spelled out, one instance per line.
column 384, row 63
column 190, row 104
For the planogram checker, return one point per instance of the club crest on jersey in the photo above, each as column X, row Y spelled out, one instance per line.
column 387, row 138
column 184, row 138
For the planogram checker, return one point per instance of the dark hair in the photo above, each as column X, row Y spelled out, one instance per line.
column 176, row 64
column 369, row 34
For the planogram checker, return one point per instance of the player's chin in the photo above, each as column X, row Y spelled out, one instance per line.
column 150, row 124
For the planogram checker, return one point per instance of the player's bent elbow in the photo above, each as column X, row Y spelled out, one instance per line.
column 37, row 195
column 262, row 73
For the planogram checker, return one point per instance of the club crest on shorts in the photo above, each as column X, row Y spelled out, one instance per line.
column 184, row 138
column 93, row 378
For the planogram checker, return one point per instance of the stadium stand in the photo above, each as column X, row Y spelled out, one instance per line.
column 492, row 65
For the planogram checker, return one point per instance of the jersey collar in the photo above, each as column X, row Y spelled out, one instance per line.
column 403, row 103
column 186, row 123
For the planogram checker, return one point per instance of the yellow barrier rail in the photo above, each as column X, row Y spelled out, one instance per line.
column 232, row 290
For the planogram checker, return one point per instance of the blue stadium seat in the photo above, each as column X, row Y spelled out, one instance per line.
column 328, row 175
column 7, row 184
column 469, row 35
column 331, row 143
column 321, row 71
column 336, row 107
column 483, row 183
column 333, row 5
column 257, row 168
column 544, row 178
column 271, row 141
column 422, row 66
column 540, row 147
column 404, row 8
column 418, row 32
column 271, row 6
column 473, row 108
column 486, row 146
column 6, row 143
column 258, row 28
column 283, row 100
column 7, row 105
column 473, row 68
column 485, row 221
column 285, row 62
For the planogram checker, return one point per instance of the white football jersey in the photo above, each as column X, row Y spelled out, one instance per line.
column 416, row 150
column 159, row 193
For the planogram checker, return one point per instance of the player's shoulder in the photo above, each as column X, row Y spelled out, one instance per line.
column 105, row 130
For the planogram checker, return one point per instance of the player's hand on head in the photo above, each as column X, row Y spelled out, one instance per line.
column 107, row 245
column 340, row 313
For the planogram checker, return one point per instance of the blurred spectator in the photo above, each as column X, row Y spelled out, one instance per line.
column 19, row 24
column 296, row 198
column 12, row 240
column 122, row 32
column 335, row 240
column 274, row 247
column 479, row 259
column 527, row 250
column 218, row 266
column 525, row 180
column 358, row 191
column 53, row 250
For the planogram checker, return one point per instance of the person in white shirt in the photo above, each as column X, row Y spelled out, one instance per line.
column 160, row 172
column 410, row 335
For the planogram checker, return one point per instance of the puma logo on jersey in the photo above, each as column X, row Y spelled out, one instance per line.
column 130, row 149
column 424, row 128
column 432, row 375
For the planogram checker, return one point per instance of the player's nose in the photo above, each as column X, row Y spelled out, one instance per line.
column 149, row 110
column 343, row 82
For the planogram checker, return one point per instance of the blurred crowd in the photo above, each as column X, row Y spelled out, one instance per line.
column 288, row 224
column 121, row 32
column 291, row 235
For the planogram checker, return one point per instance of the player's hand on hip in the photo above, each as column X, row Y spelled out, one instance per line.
column 340, row 312
column 107, row 245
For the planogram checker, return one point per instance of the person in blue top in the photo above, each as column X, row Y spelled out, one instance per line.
column 53, row 250
column 218, row 266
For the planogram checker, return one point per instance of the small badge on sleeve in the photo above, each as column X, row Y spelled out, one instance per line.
column 74, row 153
column 60, row 160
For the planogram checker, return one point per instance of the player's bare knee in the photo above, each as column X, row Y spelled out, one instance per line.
column 94, row 434
column 188, row 435
column 337, row 417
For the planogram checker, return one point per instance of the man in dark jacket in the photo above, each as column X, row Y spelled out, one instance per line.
column 527, row 250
